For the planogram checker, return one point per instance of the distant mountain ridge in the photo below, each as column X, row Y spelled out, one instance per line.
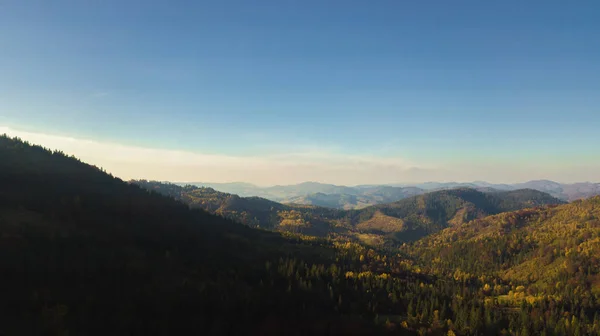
column 357, row 197
column 401, row 221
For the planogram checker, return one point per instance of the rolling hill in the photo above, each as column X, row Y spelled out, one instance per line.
column 415, row 217
column 550, row 248
column 360, row 199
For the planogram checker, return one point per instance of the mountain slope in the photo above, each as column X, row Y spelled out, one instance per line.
column 405, row 220
column 84, row 253
column 252, row 211
column 549, row 247
column 434, row 211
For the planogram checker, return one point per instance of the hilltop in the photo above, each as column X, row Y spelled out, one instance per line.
column 415, row 217
column 357, row 197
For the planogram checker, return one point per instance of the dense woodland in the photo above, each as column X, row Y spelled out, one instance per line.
column 403, row 221
column 255, row 212
column 84, row 253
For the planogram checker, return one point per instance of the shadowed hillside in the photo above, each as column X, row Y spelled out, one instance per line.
column 84, row 253
column 253, row 211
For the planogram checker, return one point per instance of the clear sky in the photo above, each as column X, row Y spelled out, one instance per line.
column 284, row 91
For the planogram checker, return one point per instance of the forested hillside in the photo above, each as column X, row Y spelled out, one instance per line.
column 548, row 247
column 403, row 221
column 412, row 218
column 84, row 253
column 253, row 211
column 540, row 259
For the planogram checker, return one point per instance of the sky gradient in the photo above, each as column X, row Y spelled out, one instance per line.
column 278, row 92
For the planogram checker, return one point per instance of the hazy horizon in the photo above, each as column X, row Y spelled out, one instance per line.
column 282, row 92
column 409, row 184
column 160, row 164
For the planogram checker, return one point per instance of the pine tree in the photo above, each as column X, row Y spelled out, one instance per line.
column 410, row 310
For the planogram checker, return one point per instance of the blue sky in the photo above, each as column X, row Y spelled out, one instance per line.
column 458, row 90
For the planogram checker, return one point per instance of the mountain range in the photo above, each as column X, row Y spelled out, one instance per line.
column 343, row 197
column 401, row 221
column 85, row 253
